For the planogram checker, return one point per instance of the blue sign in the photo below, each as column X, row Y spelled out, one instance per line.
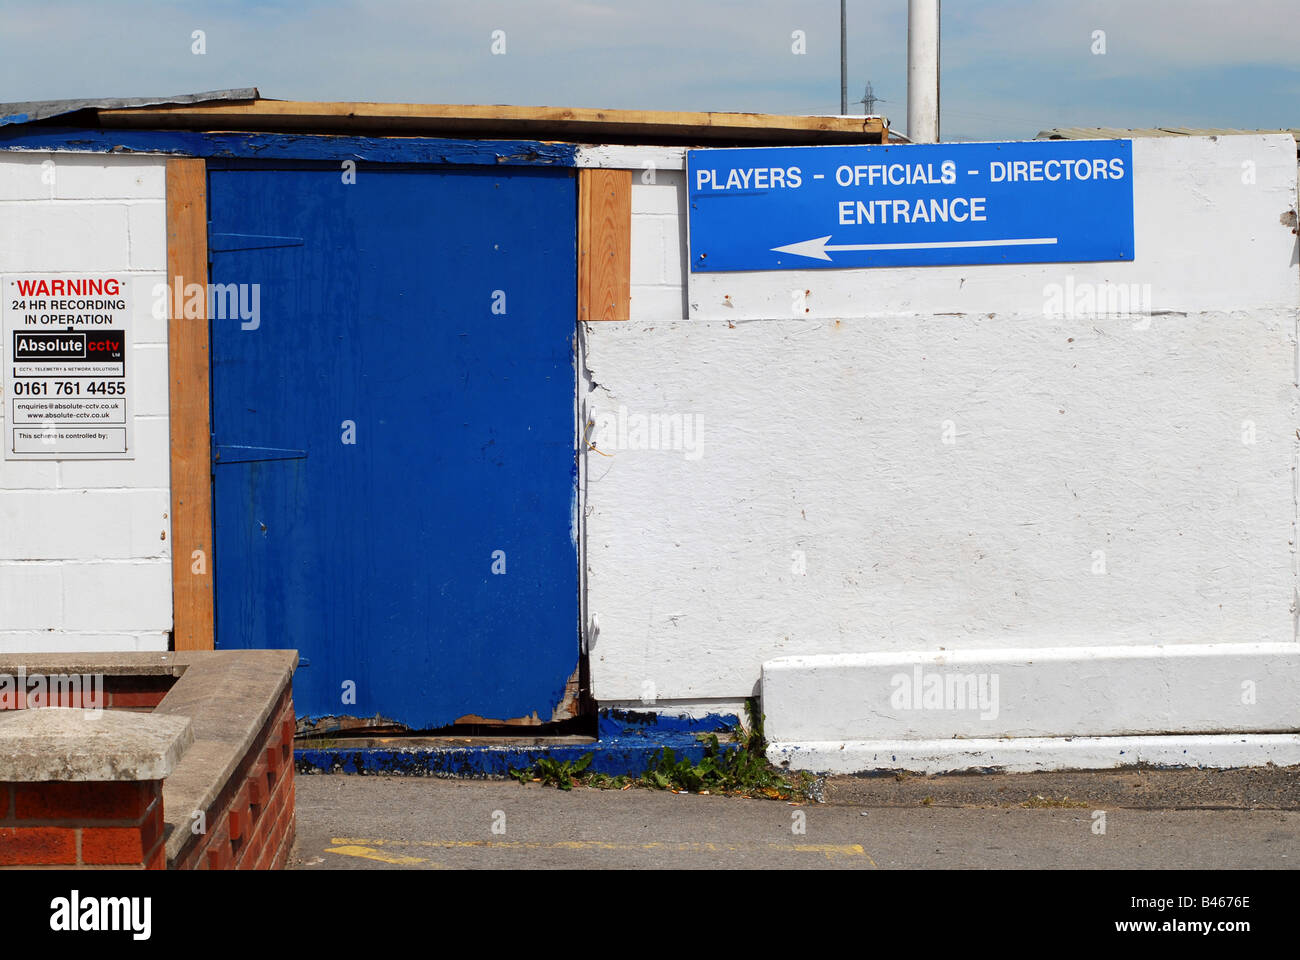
column 796, row 208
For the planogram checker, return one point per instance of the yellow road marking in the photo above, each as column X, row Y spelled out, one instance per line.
column 832, row 851
column 829, row 850
column 366, row 853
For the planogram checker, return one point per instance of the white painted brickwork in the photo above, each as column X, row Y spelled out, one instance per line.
column 1096, row 492
column 85, row 546
column 658, row 251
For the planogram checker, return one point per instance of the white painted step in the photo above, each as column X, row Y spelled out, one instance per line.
column 1030, row 754
column 1059, row 692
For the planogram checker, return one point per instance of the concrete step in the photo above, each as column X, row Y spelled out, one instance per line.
column 1056, row 692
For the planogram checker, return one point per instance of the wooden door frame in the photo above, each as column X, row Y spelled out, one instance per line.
column 189, row 399
column 604, row 243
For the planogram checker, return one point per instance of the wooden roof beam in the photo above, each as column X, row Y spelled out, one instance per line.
column 554, row 123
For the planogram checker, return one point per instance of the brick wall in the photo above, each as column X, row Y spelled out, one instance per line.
column 118, row 824
column 85, row 546
column 252, row 824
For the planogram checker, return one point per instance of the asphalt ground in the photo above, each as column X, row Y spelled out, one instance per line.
column 1193, row 819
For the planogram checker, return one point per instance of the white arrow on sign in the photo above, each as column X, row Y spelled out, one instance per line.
column 817, row 249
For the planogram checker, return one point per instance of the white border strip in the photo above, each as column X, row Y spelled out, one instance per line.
column 1029, row 754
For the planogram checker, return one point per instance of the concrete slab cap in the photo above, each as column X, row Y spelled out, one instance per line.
column 68, row 743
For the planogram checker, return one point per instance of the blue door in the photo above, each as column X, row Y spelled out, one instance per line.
column 393, row 396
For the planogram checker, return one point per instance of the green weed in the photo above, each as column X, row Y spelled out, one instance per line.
column 743, row 771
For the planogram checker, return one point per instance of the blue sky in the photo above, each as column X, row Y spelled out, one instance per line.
column 1010, row 67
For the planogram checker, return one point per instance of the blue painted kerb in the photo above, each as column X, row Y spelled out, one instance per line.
column 627, row 743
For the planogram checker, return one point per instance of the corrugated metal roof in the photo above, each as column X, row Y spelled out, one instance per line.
column 32, row 110
column 1128, row 133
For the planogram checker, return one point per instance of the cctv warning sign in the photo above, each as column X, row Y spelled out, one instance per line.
column 64, row 353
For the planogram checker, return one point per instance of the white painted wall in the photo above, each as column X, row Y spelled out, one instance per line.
column 85, row 546
column 822, row 431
